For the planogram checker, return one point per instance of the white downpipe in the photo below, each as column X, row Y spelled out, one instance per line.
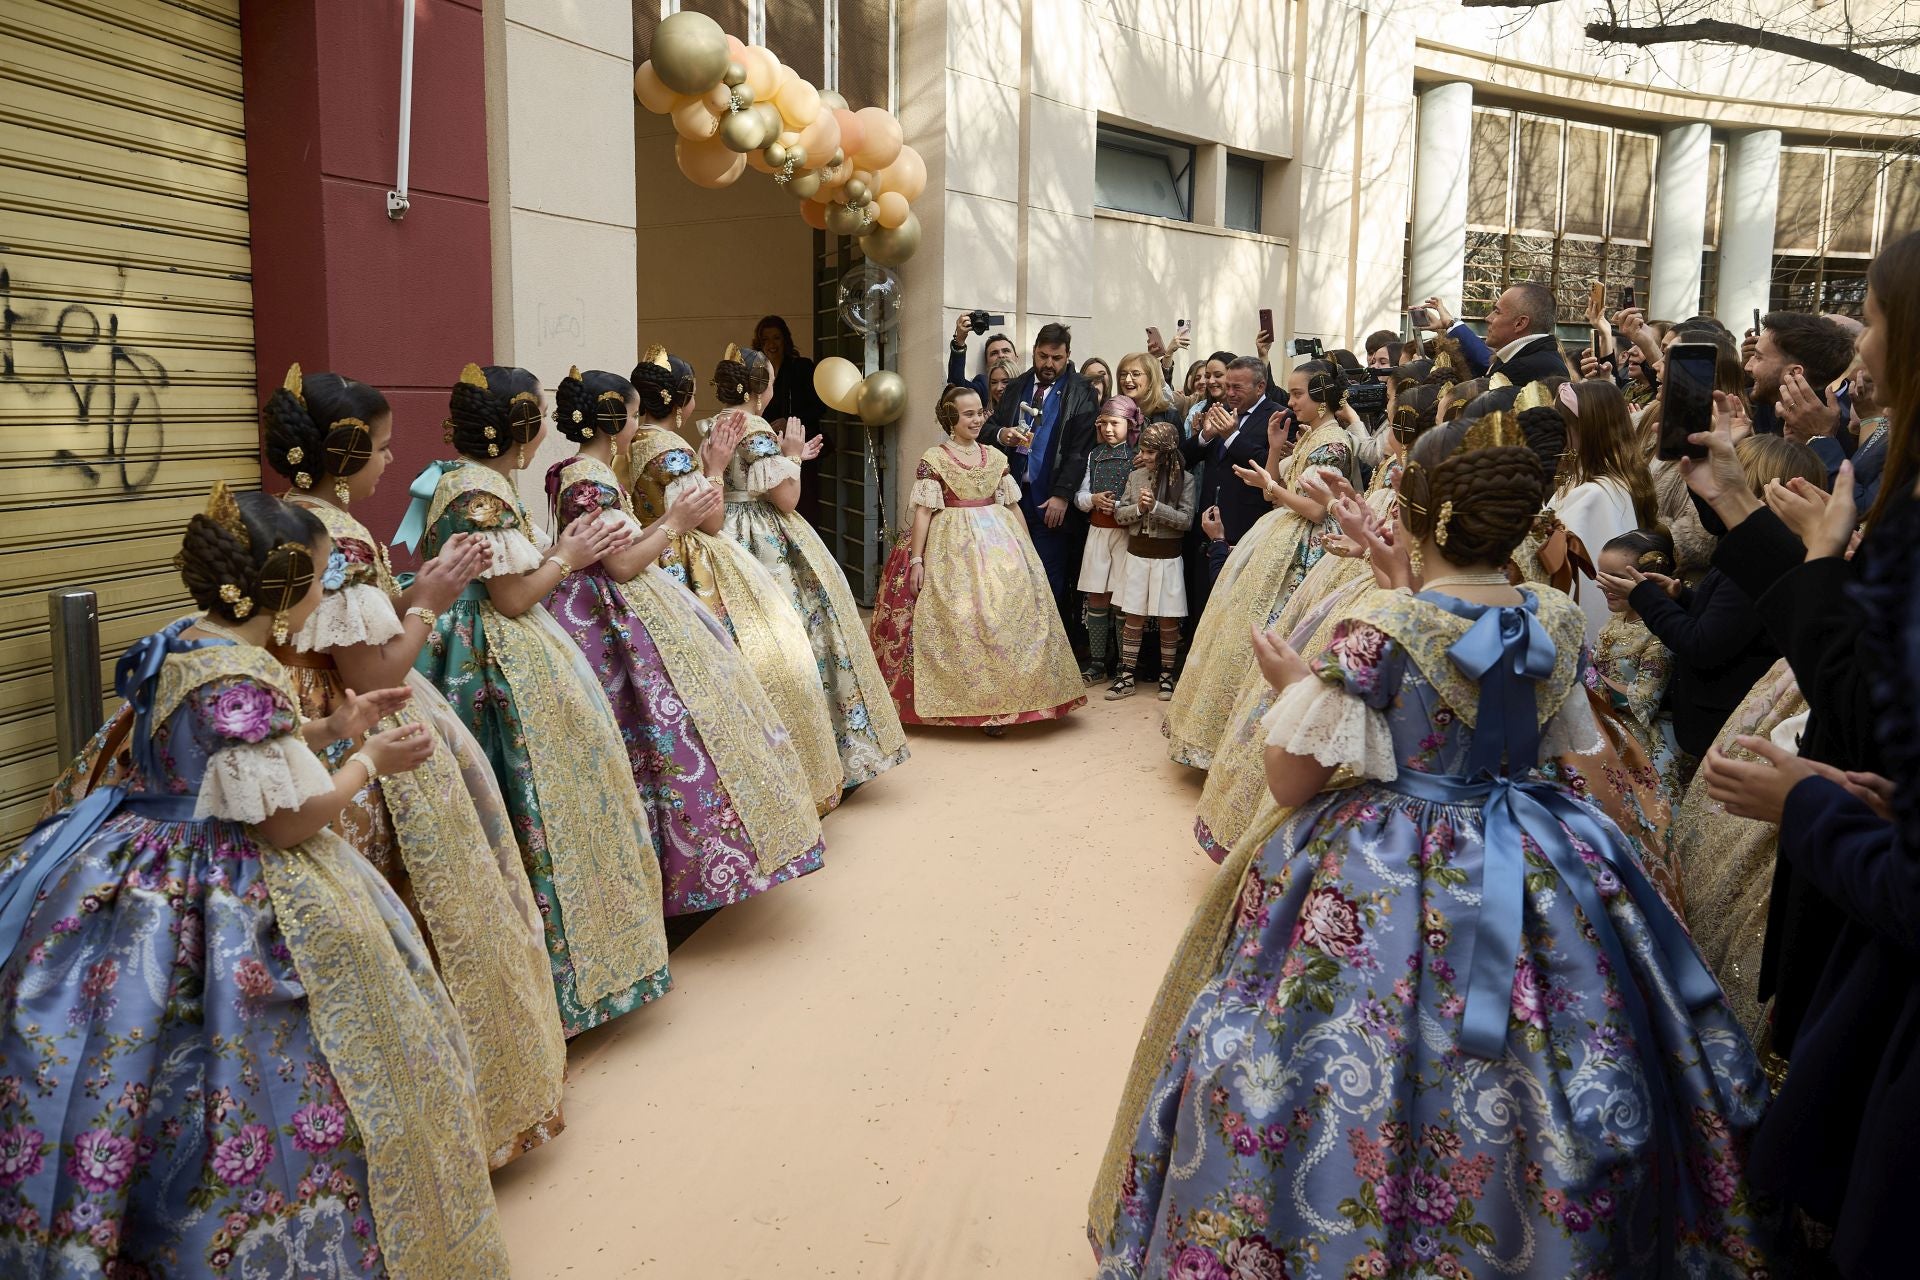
column 397, row 201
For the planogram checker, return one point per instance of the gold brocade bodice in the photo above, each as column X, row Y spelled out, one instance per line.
column 969, row 483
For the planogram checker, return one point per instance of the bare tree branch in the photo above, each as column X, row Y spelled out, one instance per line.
column 1506, row 4
column 1711, row 31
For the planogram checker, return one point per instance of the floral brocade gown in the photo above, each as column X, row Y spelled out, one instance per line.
column 524, row 689
column 866, row 726
column 1254, row 586
column 981, row 644
column 1437, row 1023
column 725, row 790
column 754, row 608
column 217, row 1057
column 440, row 835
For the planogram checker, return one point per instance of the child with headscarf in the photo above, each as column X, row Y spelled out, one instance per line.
column 1156, row 509
column 1103, row 565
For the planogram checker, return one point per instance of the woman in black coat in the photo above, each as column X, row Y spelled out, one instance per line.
column 792, row 396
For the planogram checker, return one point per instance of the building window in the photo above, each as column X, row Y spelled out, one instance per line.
column 1559, row 202
column 1245, row 177
column 1836, row 209
column 1139, row 173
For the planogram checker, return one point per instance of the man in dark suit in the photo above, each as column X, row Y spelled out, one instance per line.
column 1232, row 433
column 792, row 396
column 1044, row 424
column 1520, row 336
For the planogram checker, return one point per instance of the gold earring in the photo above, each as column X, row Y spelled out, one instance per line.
column 340, row 492
column 676, row 420
column 1413, row 559
column 520, row 457
column 280, row 627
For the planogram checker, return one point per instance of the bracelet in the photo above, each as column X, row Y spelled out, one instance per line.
column 365, row 761
column 425, row 615
column 919, row 560
column 1269, row 492
column 566, row 569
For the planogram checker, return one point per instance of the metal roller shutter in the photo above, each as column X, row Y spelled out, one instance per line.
column 126, row 327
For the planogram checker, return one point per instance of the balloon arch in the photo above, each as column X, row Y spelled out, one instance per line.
column 734, row 105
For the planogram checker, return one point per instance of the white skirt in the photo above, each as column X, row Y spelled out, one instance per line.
column 1154, row 588
column 1103, row 565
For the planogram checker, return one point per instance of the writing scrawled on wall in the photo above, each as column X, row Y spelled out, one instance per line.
column 126, row 329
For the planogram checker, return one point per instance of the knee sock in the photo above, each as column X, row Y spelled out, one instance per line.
column 1130, row 633
column 1169, row 645
column 1099, row 634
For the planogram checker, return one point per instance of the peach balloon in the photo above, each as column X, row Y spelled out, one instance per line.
column 822, row 136
column 652, row 90
column 815, row 215
column 735, row 48
column 907, row 175
column 757, row 161
column 719, row 100
column 799, row 103
column 890, row 209
column 708, row 164
column 692, row 120
column 880, row 138
column 852, row 132
column 761, row 70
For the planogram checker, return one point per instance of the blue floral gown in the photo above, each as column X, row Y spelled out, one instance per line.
column 1437, row 1023
column 219, row 1058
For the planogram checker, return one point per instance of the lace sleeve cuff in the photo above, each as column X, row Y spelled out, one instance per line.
column 513, row 552
column 1008, row 494
column 684, row 485
column 253, row 781
column 1572, row 731
column 926, row 493
column 358, row 613
column 1320, row 719
column 771, row 473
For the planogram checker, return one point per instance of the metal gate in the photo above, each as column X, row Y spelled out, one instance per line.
column 126, row 327
column 856, row 470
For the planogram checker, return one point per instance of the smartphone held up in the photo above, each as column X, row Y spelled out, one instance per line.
column 1686, row 405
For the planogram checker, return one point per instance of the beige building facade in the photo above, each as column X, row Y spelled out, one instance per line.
column 1115, row 164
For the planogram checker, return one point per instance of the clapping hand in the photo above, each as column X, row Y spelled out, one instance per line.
column 359, row 712
column 1216, row 422
column 795, row 444
column 1804, row 416
column 442, row 579
column 1146, row 499
column 1834, row 535
column 1255, row 476
column 1799, row 504
column 589, row 538
column 692, row 509
column 1280, row 433
column 1103, row 503
column 728, row 431
column 1622, row 584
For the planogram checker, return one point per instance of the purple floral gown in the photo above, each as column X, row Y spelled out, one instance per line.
column 725, row 790
column 185, row 1074
column 1446, row 1027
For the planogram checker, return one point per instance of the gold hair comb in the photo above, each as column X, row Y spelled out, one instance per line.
column 473, row 376
column 296, row 383
column 224, row 510
column 657, row 357
column 731, row 353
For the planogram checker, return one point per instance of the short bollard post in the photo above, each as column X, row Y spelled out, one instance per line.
column 73, row 615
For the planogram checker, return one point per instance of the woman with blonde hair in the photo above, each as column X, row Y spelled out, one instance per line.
column 1140, row 379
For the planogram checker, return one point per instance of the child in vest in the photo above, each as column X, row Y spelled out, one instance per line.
column 1156, row 509
column 1103, row 565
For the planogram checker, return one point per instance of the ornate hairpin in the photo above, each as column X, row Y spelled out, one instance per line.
column 239, row 601
column 657, row 357
column 1533, row 396
column 474, row 376
column 295, row 384
column 1440, row 525
column 224, row 510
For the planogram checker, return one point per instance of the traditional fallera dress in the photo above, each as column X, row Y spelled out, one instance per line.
column 1631, row 667
column 726, row 793
column 441, row 836
column 1236, row 786
column 537, row 708
column 1726, row 862
column 1253, row 588
column 866, row 726
column 218, row 1057
column 981, row 645
column 755, row 609
column 1437, row 1023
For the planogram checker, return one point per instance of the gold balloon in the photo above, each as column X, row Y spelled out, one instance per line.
column 855, row 190
column 775, row 154
column 690, row 52
column 845, row 221
column 804, row 185
column 891, row 246
column 836, row 380
column 742, row 95
column 882, row 398
column 652, row 91
column 742, row 131
column 770, row 122
column 735, row 74
column 693, row 121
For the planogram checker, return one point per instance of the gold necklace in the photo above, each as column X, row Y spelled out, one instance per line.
column 1490, row 578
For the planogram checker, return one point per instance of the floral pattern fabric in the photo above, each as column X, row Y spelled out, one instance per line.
column 708, row 857
column 166, row 1108
column 1315, row 1114
column 866, row 727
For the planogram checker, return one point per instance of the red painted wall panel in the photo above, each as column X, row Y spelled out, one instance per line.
column 337, row 285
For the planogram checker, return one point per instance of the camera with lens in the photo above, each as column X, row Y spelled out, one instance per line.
column 1366, row 392
column 1308, row 347
column 980, row 321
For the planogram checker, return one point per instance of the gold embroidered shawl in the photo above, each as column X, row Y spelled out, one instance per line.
column 605, row 870
column 469, row 886
column 390, row 1037
column 768, row 785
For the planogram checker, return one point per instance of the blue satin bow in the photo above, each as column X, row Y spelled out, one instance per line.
column 1506, row 652
column 413, row 525
column 134, row 678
